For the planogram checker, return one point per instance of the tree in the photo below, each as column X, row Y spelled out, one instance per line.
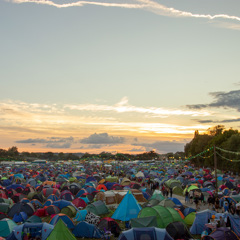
column 13, row 152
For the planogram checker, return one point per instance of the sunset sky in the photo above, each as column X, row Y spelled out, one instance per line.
column 117, row 75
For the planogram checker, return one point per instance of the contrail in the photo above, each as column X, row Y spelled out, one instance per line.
column 141, row 4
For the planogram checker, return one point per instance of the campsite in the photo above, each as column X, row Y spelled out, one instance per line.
column 118, row 200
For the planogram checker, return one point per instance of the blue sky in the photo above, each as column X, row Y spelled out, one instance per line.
column 126, row 76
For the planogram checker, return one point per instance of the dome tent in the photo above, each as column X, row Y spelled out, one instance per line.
column 149, row 233
column 164, row 215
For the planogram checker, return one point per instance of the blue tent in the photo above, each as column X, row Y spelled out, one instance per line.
column 48, row 203
column 81, row 215
column 201, row 219
column 35, row 229
column 188, row 210
column 61, row 203
column 87, row 230
column 20, row 217
column 176, row 201
column 127, row 209
column 235, row 223
column 149, row 233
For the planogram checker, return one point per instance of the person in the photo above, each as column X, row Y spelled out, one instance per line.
column 209, row 201
column 217, row 203
column 222, row 222
column 196, row 201
column 226, row 207
column 166, row 192
column 191, row 196
column 171, row 192
column 186, row 197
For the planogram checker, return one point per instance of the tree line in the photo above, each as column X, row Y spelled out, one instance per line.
column 13, row 154
column 219, row 136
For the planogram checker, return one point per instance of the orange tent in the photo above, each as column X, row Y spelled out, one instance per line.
column 101, row 186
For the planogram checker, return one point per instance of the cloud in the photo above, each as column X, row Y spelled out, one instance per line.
column 231, row 120
column 220, row 121
column 222, row 99
column 124, row 107
column 205, row 121
column 51, row 142
column 162, row 146
column 142, row 149
column 148, row 5
column 59, row 145
column 102, row 138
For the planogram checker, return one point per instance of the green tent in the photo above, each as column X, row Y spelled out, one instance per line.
column 192, row 187
column 8, row 201
column 111, row 179
column 167, row 203
column 151, row 203
column 171, row 183
column 178, row 190
column 34, row 219
column 144, row 222
column 69, row 211
column 236, row 197
column 165, row 215
column 98, row 208
column 4, row 207
column 61, row 232
column 189, row 219
column 157, row 195
column 6, row 227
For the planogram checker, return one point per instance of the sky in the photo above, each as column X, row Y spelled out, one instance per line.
column 117, row 75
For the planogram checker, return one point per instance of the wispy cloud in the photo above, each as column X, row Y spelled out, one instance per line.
column 50, row 142
column 222, row 99
column 124, row 107
column 149, row 5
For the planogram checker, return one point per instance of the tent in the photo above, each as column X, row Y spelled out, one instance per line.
column 68, row 221
column 167, row 203
column 6, row 227
column 21, row 207
column 69, row 211
column 81, row 215
column 151, row 203
column 34, row 219
column 109, row 224
column 177, row 230
column 149, row 233
column 221, row 233
column 171, row 183
column 144, row 222
column 188, row 210
column 97, row 208
column 92, row 218
column 61, row 232
column 52, row 210
column 165, row 215
column 189, row 219
column 157, row 195
column 41, row 230
column 176, row 201
column 127, row 209
column 20, row 217
column 125, row 182
column 201, row 219
column 87, row 230
column 79, row 202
